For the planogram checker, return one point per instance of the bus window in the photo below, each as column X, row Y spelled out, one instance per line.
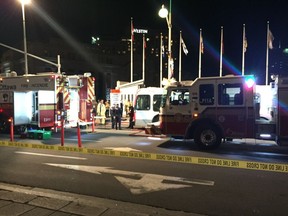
column 143, row 102
column 156, row 102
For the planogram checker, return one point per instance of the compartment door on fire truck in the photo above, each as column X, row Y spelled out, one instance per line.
column 73, row 111
column 232, row 110
column 22, row 107
column 179, row 111
column 46, row 108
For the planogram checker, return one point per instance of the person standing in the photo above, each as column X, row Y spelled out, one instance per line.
column 118, row 113
column 131, row 116
column 107, row 105
column 113, row 116
column 101, row 110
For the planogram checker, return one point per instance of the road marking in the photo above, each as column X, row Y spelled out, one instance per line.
column 124, row 149
column 50, row 155
column 155, row 138
column 281, row 167
column 139, row 183
column 76, row 139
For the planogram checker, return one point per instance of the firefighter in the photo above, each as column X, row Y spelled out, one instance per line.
column 101, row 110
column 107, row 105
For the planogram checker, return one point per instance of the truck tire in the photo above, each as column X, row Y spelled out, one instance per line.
column 207, row 137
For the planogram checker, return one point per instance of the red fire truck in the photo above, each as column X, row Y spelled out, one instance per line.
column 39, row 100
column 213, row 109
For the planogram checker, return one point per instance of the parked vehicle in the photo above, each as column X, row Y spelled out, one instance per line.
column 213, row 109
column 41, row 100
column 147, row 105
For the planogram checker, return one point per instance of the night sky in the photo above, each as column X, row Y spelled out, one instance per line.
column 110, row 19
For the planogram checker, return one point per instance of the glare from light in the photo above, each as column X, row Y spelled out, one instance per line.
column 25, row 2
column 250, row 82
column 154, row 138
column 65, row 35
column 266, row 136
column 163, row 12
column 143, row 143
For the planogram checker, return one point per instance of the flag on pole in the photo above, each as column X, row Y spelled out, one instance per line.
column 132, row 30
column 163, row 51
column 201, row 51
column 245, row 44
column 221, row 51
column 201, row 44
column 221, row 41
column 144, row 43
column 222, row 47
column 185, row 50
column 171, row 65
column 270, row 39
column 244, row 49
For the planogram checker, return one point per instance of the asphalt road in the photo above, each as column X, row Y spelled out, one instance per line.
column 193, row 188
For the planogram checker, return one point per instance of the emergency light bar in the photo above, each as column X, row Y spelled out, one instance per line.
column 250, row 81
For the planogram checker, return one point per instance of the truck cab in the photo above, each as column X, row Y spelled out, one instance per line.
column 210, row 109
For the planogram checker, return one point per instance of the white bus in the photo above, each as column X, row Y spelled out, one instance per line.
column 147, row 105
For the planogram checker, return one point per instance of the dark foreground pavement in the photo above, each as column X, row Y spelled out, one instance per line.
column 30, row 201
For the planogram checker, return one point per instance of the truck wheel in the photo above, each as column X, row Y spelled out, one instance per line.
column 207, row 137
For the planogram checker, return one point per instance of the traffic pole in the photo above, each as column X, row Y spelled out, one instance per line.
column 11, row 129
column 79, row 135
column 93, row 123
column 62, row 131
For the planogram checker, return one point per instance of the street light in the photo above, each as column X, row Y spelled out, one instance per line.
column 164, row 13
column 23, row 3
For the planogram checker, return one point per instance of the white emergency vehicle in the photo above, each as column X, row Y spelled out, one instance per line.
column 147, row 105
column 40, row 100
column 213, row 109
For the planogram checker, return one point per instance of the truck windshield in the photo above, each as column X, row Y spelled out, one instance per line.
column 179, row 97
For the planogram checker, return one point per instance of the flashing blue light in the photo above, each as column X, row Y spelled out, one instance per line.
column 250, row 81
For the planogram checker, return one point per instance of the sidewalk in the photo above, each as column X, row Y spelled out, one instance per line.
column 124, row 129
column 28, row 201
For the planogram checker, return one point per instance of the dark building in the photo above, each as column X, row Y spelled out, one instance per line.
column 278, row 61
column 107, row 60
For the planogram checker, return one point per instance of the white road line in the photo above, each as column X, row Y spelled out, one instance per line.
column 124, row 149
column 50, row 155
column 77, row 139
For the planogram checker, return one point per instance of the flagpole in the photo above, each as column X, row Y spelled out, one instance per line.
column 143, row 64
column 170, row 72
column 267, row 54
column 221, row 51
column 180, row 57
column 132, row 40
column 161, row 56
column 243, row 49
column 200, row 52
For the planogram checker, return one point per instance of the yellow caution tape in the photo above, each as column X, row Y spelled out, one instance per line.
column 251, row 165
